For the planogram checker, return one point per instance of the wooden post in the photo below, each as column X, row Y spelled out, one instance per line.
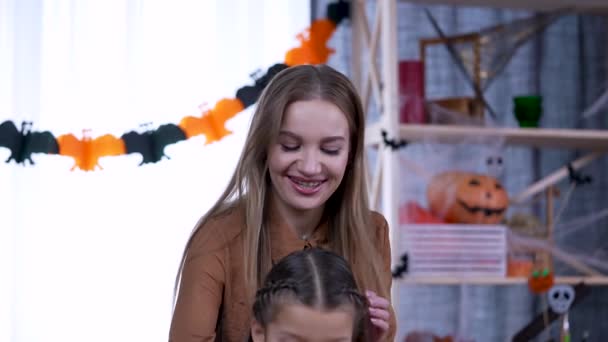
column 356, row 46
column 550, row 210
column 390, row 117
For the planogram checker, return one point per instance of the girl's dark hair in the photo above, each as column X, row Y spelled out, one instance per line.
column 316, row 278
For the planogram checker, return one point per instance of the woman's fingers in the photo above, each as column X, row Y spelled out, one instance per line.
column 376, row 301
column 379, row 314
column 380, row 324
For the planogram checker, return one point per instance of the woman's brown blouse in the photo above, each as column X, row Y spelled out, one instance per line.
column 212, row 296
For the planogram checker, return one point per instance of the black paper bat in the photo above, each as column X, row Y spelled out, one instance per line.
column 338, row 11
column 577, row 177
column 401, row 269
column 24, row 143
column 151, row 144
column 250, row 94
column 393, row 143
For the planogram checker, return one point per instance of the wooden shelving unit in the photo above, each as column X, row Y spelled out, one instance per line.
column 530, row 5
column 589, row 140
column 380, row 41
column 368, row 43
column 571, row 280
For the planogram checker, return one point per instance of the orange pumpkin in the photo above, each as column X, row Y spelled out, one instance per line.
column 465, row 197
column 541, row 281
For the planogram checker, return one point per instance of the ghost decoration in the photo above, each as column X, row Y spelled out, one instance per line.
column 560, row 298
column 493, row 156
column 494, row 165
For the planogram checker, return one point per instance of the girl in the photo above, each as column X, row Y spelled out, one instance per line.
column 299, row 183
column 310, row 295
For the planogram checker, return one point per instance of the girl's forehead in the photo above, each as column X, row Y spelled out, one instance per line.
column 312, row 324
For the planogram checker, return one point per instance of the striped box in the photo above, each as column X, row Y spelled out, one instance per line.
column 454, row 249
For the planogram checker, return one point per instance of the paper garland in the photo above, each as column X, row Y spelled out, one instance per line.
column 86, row 151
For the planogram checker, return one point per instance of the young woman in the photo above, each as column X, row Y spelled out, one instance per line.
column 300, row 182
column 310, row 296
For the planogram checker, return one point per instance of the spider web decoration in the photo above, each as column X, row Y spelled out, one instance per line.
column 498, row 44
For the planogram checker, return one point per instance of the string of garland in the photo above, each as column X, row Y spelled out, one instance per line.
column 23, row 142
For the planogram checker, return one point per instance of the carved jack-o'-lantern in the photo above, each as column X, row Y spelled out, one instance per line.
column 464, row 197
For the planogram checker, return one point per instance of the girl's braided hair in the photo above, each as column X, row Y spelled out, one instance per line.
column 316, row 278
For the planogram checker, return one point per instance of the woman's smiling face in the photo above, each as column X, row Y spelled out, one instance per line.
column 309, row 157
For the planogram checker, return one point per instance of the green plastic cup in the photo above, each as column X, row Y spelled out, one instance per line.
column 528, row 110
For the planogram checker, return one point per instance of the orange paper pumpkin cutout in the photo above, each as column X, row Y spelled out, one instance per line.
column 86, row 152
column 412, row 212
column 541, row 281
column 313, row 44
column 212, row 121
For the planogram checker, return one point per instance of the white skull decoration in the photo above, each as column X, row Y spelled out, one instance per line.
column 560, row 298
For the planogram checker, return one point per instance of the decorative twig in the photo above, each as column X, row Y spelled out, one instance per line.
column 554, row 177
column 459, row 63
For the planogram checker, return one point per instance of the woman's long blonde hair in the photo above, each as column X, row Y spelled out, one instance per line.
column 351, row 231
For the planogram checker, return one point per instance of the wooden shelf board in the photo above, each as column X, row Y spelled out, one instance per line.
column 590, row 140
column 531, row 5
column 572, row 280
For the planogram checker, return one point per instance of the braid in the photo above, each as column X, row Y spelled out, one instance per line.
column 315, row 278
column 361, row 305
column 356, row 298
column 275, row 287
column 266, row 295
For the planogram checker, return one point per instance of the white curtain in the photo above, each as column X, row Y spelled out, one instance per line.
column 91, row 256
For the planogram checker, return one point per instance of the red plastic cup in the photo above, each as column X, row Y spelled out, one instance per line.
column 411, row 92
